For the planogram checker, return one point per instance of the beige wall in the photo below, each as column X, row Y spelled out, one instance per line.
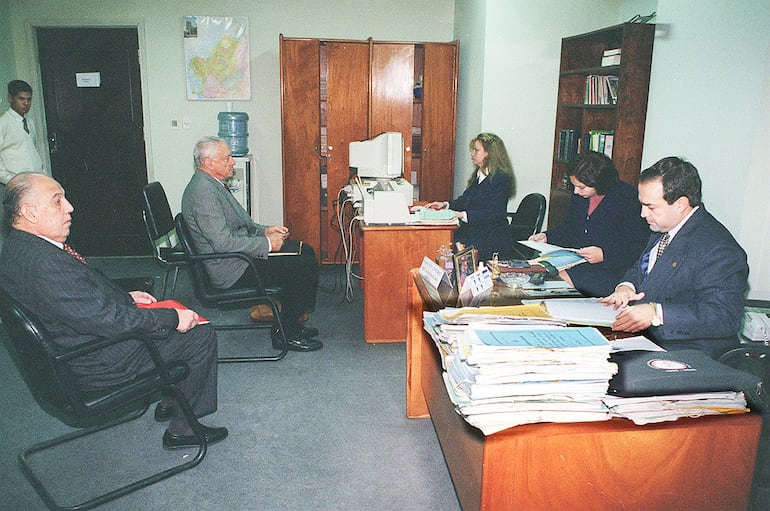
column 709, row 98
column 162, row 61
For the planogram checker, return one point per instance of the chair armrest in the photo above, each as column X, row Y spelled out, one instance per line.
column 69, row 354
column 228, row 255
column 172, row 254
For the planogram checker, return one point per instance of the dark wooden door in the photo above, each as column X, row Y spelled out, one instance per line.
column 347, row 98
column 301, row 119
column 393, row 94
column 439, row 120
column 93, row 107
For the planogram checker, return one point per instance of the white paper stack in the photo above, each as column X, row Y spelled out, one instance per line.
column 645, row 410
column 503, row 375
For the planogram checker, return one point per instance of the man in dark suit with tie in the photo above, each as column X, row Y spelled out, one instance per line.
column 218, row 223
column 687, row 288
column 77, row 304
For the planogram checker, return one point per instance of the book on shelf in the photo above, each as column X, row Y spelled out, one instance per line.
column 612, row 88
column 568, row 145
column 600, row 141
column 601, row 90
column 170, row 304
column 611, row 57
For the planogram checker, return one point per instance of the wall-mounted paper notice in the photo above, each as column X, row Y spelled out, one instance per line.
column 88, row 79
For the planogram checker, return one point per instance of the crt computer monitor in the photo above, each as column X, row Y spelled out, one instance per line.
column 379, row 158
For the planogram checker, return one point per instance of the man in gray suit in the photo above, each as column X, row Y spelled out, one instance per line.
column 686, row 290
column 77, row 304
column 218, row 223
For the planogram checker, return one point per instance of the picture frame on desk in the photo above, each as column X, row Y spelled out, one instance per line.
column 465, row 262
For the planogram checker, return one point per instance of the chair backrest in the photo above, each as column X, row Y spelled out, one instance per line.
column 157, row 212
column 200, row 277
column 34, row 352
column 205, row 291
column 529, row 215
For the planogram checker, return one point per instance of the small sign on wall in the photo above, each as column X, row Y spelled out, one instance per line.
column 88, row 79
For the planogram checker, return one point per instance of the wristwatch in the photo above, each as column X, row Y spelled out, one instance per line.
column 656, row 319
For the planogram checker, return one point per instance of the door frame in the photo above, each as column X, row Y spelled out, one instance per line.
column 38, row 109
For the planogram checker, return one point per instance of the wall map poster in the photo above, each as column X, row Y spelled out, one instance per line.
column 217, row 57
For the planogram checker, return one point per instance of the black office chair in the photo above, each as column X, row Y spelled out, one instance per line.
column 522, row 223
column 753, row 359
column 161, row 230
column 44, row 366
column 229, row 298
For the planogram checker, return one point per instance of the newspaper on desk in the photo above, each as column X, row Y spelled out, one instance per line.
column 513, row 365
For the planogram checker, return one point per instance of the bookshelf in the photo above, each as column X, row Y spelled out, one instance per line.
column 618, row 121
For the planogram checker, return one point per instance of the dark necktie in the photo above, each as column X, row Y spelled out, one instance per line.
column 71, row 251
column 663, row 243
column 645, row 262
column 24, row 123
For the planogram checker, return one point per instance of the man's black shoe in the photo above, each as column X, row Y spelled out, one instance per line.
column 306, row 332
column 295, row 343
column 162, row 412
column 213, row 435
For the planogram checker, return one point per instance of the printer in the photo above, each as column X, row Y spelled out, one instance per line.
column 387, row 202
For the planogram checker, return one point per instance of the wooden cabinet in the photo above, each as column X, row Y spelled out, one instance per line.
column 337, row 91
column 581, row 56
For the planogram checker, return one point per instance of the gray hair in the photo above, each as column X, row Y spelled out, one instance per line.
column 204, row 148
column 17, row 189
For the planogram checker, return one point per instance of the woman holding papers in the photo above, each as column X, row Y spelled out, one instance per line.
column 603, row 225
column 483, row 205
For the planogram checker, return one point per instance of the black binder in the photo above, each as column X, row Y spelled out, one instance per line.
column 657, row 373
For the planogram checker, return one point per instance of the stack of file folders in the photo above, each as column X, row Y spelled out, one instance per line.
column 506, row 371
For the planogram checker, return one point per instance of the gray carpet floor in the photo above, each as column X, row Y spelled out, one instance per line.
column 315, row 431
column 323, row 430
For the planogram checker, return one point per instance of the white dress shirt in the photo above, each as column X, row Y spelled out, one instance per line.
column 17, row 147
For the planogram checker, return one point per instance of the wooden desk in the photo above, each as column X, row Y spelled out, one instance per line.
column 388, row 252
column 703, row 463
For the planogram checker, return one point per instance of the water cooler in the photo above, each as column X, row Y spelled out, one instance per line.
column 234, row 129
column 240, row 183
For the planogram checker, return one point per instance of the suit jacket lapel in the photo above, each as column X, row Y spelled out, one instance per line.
column 675, row 252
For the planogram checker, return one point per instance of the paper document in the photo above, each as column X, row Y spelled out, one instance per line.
column 635, row 343
column 579, row 311
column 559, row 257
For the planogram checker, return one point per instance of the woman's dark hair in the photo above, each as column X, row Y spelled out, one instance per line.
column 595, row 170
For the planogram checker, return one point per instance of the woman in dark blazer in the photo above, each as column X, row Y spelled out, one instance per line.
column 483, row 205
column 603, row 223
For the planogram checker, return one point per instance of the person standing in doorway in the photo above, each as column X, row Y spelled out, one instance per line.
column 18, row 152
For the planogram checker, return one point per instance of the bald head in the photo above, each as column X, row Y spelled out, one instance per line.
column 35, row 203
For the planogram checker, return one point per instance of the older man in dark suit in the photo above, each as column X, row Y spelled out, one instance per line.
column 77, row 304
column 686, row 290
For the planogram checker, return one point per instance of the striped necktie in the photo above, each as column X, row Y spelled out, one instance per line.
column 663, row 243
column 71, row 251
